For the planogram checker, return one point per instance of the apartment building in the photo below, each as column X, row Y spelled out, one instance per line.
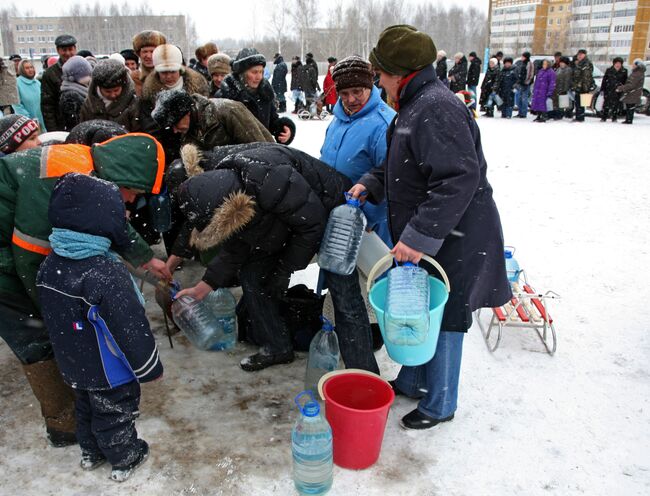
column 606, row 28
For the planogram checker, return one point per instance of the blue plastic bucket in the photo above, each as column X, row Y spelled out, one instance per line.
column 419, row 354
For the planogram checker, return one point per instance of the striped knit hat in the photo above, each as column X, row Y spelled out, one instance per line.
column 14, row 131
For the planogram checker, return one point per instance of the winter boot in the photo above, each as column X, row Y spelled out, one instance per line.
column 122, row 473
column 90, row 461
column 261, row 360
column 282, row 107
column 629, row 116
column 56, row 400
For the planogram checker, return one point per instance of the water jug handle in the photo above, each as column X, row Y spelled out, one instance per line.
column 387, row 261
column 296, row 400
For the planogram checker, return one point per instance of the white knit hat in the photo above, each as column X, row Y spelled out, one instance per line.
column 118, row 57
column 167, row 58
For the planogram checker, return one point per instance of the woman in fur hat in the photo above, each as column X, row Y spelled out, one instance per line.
column 247, row 85
column 219, row 68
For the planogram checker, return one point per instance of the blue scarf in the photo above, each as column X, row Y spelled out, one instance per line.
column 77, row 246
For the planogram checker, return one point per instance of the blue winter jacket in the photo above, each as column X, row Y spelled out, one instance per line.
column 97, row 325
column 356, row 143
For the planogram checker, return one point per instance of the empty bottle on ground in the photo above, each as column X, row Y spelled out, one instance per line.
column 406, row 319
column 222, row 304
column 311, row 446
column 340, row 246
column 323, row 355
column 512, row 266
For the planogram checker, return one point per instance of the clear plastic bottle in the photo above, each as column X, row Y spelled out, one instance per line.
column 342, row 239
column 512, row 266
column 222, row 304
column 324, row 355
column 311, row 446
column 406, row 316
column 197, row 322
column 160, row 210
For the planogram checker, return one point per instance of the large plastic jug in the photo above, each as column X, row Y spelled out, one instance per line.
column 406, row 318
column 311, row 446
column 160, row 210
column 222, row 304
column 512, row 266
column 340, row 246
column 323, row 355
column 197, row 322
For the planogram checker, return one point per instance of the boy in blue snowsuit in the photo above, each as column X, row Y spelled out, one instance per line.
column 99, row 332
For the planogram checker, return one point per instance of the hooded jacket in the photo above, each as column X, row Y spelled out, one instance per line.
column 439, row 199
column 260, row 103
column 26, row 181
column 125, row 111
column 266, row 199
column 98, row 328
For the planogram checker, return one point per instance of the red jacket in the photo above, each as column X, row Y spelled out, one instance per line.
column 329, row 88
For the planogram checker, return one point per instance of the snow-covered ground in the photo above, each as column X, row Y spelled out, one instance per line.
column 574, row 201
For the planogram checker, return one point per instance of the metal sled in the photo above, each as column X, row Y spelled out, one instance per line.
column 527, row 309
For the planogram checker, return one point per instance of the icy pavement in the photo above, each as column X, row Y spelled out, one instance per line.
column 574, row 201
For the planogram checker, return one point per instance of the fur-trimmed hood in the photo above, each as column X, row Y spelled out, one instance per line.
column 193, row 82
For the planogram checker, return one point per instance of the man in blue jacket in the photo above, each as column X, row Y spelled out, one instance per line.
column 95, row 316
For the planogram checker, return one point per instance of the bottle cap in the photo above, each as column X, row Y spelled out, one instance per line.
column 408, row 264
column 508, row 253
column 311, row 408
column 352, row 201
column 327, row 325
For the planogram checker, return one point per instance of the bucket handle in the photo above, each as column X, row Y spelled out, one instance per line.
column 387, row 260
column 331, row 374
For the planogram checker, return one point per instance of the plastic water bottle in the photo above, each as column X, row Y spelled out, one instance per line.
column 160, row 210
column 311, row 445
column 512, row 266
column 406, row 318
column 198, row 323
column 323, row 355
column 222, row 304
column 340, row 246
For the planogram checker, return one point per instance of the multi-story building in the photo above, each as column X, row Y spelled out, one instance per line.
column 606, row 28
column 34, row 36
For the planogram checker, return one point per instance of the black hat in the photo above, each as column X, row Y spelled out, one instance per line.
column 617, row 59
column 352, row 72
column 171, row 107
column 507, row 59
column 65, row 40
column 472, row 54
column 129, row 54
column 309, row 55
column 565, row 59
column 276, row 55
column 331, row 60
column 85, row 53
column 110, row 73
column 94, row 131
column 582, row 51
column 15, row 56
column 526, row 55
column 499, row 53
column 247, row 58
column 557, row 54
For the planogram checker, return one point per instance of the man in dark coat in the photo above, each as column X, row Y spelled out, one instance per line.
column 259, row 217
column 310, row 79
column 525, row 75
column 458, row 73
column 473, row 75
column 280, row 82
column 297, row 83
column 66, row 47
column 615, row 76
column 505, row 89
column 489, row 87
column 583, row 82
column 440, row 204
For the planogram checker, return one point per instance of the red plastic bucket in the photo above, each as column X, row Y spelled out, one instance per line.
column 356, row 407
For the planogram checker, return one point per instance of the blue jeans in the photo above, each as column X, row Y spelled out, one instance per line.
column 436, row 382
column 524, row 96
column 506, row 111
column 475, row 93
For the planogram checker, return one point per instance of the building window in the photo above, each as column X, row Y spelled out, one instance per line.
column 560, row 8
column 550, row 22
column 44, row 50
column 29, row 27
column 552, row 9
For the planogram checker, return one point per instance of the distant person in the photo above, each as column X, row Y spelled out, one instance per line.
column 131, row 60
column 499, row 57
column 525, row 75
column 310, row 84
column 66, row 47
column 144, row 44
column 458, row 73
column 441, row 66
column 583, row 82
column 8, row 88
column 203, row 53
column 632, row 90
column 615, row 76
column 15, row 58
column 297, row 79
column 473, row 76
column 330, row 96
column 219, row 68
column 489, row 87
column 563, row 80
column 309, row 60
column 76, row 78
column 556, row 60
column 29, row 93
column 543, row 91
column 279, row 82
column 506, row 87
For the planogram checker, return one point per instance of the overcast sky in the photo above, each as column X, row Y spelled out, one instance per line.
column 218, row 18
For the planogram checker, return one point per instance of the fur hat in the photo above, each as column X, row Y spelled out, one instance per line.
column 129, row 54
column 247, row 58
column 118, row 57
column 76, row 69
column 352, row 72
column 402, row 49
column 14, row 130
column 494, row 61
column 206, row 50
column 219, row 63
column 639, row 63
column 65, row 40
column 148, row 38
column 171, row 107
column 167, row 58
column 110, row 73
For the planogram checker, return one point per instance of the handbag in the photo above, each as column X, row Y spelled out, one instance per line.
column 585, row 99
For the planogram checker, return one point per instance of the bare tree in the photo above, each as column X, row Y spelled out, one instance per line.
column 279, row 21
column 304, row 16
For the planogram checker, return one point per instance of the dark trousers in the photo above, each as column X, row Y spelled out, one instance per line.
column 629, row 112
column 106, row 423
column 580, row 111
column 268, row 328
column 23, row 330
column 351, row 319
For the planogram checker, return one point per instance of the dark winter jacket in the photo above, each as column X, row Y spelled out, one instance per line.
column 474, row 72
column 268, row 199
column 458, row 76
column 490, row 83
column 439, row 199
column 50, row 94
column 260, row 103
column 611, row 80
column 73, row 96
column 310, row 79
column 543, row 89
column 632, row 90
column 312, row 63
column 507, row 82
column 297, row 76
column 125, row 111
column 280, row 76
column 203, row 70
column 98, row 328
column 441, row 69
column 583, row 76
column 525, row 72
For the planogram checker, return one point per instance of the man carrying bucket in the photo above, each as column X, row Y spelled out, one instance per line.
column 439, row 204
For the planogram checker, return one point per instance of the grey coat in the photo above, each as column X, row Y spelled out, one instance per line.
column 632, row 90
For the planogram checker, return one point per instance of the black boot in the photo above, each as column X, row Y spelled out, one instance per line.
column 282, row 107
column 261, row 360
column 418, row 420
column 629, row 116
